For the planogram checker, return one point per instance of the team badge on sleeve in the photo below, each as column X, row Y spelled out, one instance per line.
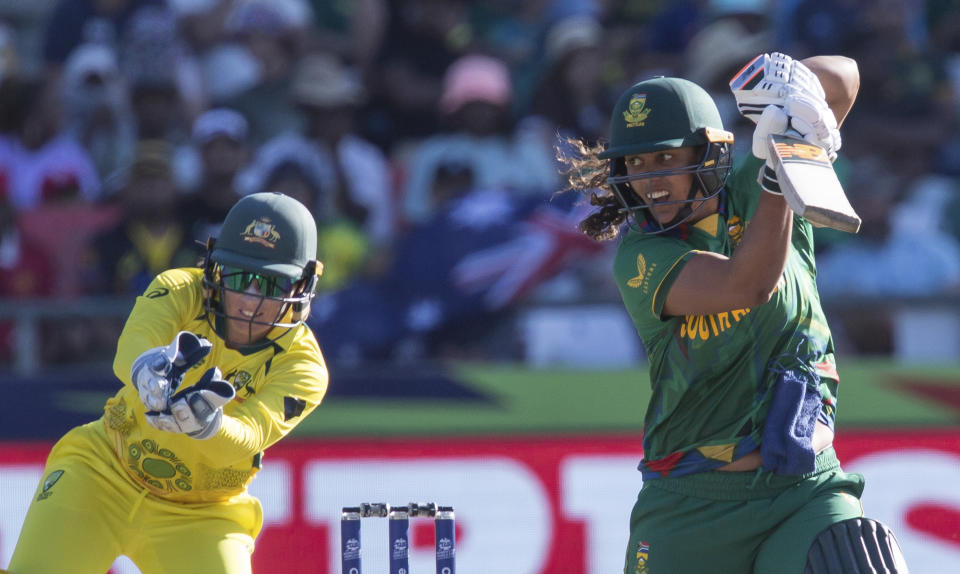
column 48, row 483
column 644, row 272
column 641, row 271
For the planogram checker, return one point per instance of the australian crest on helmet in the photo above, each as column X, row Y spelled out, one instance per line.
column 262, row 231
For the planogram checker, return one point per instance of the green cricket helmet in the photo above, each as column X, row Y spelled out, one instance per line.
column 661, row 114
column 267, row 247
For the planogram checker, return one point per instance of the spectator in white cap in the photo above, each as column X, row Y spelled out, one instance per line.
column 252, row 69
column 293, row 165
column 573, row 67
column 476, row 105
column 96, row 105
column 290, row 149
column 328, row 95
column 164, row 82
column 219, row 137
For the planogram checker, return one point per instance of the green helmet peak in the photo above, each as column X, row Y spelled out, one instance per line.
column 267, row 248
column 269, row 233
column 661, row 113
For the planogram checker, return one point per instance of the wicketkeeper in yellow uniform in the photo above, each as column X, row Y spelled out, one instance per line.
column 217, row 365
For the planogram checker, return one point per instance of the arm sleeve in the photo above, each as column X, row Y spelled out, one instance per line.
column 743, row 182
column 295, row 385
column 171, row 300
column 645, row 269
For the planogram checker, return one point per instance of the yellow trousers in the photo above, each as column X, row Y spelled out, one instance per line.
column 87, row 511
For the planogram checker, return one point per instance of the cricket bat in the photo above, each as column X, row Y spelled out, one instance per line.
column 810, row 185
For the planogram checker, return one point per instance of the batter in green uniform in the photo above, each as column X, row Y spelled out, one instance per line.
column 718, row 276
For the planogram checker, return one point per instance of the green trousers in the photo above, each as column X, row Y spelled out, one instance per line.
column 738, row 522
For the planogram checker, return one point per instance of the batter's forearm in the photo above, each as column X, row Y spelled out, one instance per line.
column 840, row 78
column 759, row 260
column 746, row 279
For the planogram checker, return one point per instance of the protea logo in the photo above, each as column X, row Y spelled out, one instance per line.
column 641, row 272
column 635, row 114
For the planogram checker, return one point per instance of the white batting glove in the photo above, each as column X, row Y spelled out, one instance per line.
column 815, row 122
column 196, row 411
column 801, row 116
column 772, row 121
column 157, row 372
column 769, row 79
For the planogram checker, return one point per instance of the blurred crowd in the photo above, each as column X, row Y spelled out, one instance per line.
column 422, row 134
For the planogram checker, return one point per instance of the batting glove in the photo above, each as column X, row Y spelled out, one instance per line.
column 814, row 121
column 773, row 121
column 196, row 411
column 769, row 79
column 801, row 116
column 157, row 373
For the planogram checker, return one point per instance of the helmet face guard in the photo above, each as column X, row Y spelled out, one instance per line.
column 710, row 175
column 662, row 114
column 268, row 241
column 292, row 309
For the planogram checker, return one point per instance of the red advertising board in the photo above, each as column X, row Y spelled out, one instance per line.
column 523, row 505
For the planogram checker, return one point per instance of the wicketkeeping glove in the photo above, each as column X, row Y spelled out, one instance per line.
column 196, row 411
column 769, row 79
column 157, row 373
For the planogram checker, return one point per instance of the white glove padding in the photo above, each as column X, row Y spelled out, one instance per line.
column 815, row 122
column 773, row 121
column 196, row 411
column 156, row 373
column 801, row 117
column 768, row 80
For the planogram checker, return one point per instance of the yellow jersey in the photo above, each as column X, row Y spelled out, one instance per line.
column 278, row 384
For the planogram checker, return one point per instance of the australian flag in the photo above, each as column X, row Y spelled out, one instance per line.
column 456, row 273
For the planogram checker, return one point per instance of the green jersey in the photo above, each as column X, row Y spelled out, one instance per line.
column 712, row 374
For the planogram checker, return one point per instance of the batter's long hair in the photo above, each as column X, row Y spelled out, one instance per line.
column 587, row 174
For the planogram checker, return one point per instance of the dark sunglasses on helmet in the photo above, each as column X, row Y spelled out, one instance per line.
column 267, row 285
